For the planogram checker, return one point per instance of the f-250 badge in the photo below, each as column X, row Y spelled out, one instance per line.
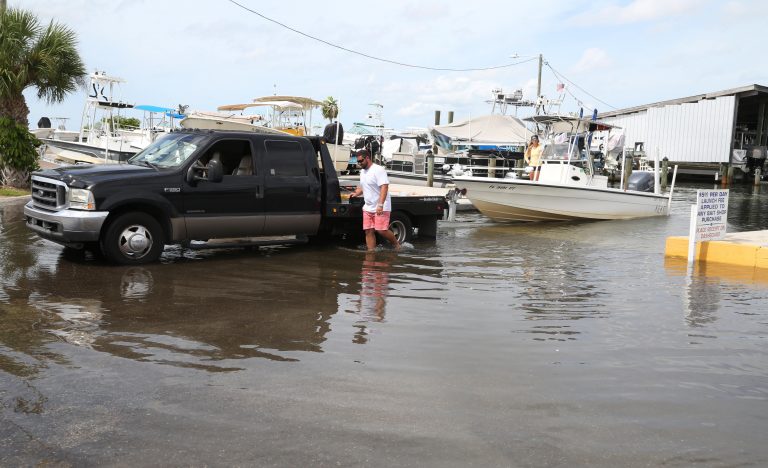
column 172, row 189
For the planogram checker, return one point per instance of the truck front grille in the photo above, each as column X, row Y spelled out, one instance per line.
column 48, row 194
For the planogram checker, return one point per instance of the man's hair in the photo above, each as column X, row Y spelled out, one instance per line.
column 364, row 153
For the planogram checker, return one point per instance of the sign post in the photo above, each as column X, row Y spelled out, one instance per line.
column 709, row 217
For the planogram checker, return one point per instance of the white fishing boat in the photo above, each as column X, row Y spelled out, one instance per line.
column 226, row 121
column 284, row 114
column 98, row 136
column 156, row 121
column 486, row 145
column 567, row 189
column 563, row 192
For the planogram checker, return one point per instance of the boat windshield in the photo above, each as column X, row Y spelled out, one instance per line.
column 169, row 151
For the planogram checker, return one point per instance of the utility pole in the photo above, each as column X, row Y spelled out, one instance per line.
column 538, row 85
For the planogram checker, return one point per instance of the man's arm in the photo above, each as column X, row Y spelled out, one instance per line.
column 382, row 197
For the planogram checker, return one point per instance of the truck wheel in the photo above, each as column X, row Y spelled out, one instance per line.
column 401, row 227
column 133, row 239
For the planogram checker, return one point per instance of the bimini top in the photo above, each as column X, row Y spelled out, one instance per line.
column 306, row 103
column 278, row 104
column 160, row 110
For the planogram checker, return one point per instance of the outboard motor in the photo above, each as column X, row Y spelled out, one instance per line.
column 640, row 181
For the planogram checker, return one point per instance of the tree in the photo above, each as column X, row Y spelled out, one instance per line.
column 18, row 156
column 32, row 55
column 330, row 108
column 126, row 122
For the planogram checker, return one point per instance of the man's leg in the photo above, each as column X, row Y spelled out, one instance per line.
column 370, row 239
column 390, row 237
column 369, row 230
column 382, row 228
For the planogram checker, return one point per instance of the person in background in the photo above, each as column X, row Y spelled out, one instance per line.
column 334, row 133
column 533, row 157
column 374, row 187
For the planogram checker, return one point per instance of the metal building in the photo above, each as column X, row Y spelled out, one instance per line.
column 701, row 130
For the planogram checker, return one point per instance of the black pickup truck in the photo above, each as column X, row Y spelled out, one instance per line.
column 192, row 186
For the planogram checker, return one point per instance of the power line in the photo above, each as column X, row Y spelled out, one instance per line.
column 561, row 77
column 393, row 62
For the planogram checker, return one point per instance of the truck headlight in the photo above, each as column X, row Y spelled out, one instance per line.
column 81, row 199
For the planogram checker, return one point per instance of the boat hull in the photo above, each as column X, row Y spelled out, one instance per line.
column 510, row 200
column 398, row 177
column 97, row 152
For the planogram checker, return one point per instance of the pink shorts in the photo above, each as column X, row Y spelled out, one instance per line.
column 374, row 221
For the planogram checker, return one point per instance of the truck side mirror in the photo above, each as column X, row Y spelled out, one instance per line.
column 215, row 171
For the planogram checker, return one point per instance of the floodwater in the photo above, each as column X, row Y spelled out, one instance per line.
column 499, row 345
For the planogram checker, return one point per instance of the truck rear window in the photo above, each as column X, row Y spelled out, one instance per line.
column 285, row 158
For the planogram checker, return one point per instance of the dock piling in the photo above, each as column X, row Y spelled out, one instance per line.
column 626, row 167
column 664, row 172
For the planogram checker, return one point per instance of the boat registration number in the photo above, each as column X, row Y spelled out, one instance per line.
column 501, row 187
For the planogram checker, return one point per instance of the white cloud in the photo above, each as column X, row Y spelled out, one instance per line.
column 206, row 53
column 591, row 60
column 635, row 12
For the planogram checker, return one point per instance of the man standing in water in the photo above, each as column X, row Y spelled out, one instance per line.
column 374, row 187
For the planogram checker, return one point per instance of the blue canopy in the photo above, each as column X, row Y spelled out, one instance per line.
column 146, row 107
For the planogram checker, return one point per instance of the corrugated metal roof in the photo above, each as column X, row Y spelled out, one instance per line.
column 752, row 89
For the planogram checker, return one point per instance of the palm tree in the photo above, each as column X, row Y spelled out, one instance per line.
column 32, row 55
column 330, row 108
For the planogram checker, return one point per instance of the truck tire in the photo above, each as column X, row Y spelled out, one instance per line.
column 133, row 238
column 401, row 226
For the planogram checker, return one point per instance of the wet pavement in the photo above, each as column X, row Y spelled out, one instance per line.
column 499, row 345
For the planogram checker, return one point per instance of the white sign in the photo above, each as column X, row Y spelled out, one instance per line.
column 711, row 214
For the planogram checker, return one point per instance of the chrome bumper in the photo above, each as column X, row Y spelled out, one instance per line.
column 66, row 227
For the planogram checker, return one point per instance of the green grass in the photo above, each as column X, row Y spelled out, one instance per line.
column 12, row 192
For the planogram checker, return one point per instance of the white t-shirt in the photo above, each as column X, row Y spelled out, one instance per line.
column 371, row 180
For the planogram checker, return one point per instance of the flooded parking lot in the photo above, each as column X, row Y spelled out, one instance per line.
column 498, row 345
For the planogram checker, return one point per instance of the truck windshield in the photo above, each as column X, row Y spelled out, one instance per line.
column 169, row 150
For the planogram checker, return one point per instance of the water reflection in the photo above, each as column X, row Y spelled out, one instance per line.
column 542, row 272
column 374, row 289
column 708, row 285
column 196, row 314
column 205, row 311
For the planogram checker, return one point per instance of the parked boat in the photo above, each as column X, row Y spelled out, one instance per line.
column 227, row 121
column 484, row 146
column 156, row 121
column 98, row 136
column 568, row 188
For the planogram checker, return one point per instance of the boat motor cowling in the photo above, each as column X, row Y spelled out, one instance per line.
column 640, row 181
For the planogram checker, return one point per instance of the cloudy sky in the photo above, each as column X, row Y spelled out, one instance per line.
column 610, row 53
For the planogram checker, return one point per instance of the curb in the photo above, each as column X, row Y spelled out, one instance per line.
column 9, row 200
column 744, row 249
